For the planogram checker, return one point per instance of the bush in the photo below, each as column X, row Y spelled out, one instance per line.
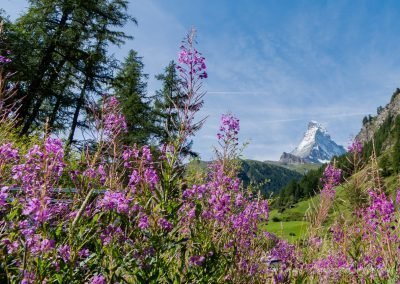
column 276, row 219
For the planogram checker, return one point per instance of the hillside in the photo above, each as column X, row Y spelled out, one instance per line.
column 371, row 124
column 263, row 176
column 256, row 173
column 300, row 168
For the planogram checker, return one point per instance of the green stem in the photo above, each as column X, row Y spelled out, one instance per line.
column 83, row 206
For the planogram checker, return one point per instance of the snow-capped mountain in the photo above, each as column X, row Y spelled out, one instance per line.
column 317, row 145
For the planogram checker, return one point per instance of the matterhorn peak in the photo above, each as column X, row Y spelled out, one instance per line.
column 315, row 124
column 317, row 145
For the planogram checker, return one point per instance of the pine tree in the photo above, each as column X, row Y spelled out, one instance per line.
column 58, row 43
column 130, row 88
column 168, row 101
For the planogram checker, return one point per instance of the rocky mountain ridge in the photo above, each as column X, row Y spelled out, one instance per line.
column 290, row 159
column 372, row 123
column 316, row 147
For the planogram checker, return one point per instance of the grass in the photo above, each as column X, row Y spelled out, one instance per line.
column 291, row 230
column 290, row 224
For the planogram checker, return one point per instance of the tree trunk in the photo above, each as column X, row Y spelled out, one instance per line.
column 34, row 87
column 78, row 108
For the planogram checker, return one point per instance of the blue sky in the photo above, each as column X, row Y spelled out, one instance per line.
column 275, row 64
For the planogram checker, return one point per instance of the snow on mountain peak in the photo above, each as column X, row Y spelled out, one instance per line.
column 317, row 145
column 314, row 126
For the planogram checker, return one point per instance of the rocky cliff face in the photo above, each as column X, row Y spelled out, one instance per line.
column 372, row 124
column 289, row 159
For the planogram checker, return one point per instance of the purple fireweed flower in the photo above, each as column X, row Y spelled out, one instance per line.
column 47, row 245
column 337, row 232
column 33, row 242
column 90, row 173
column 284, row 253
column 192, row 213
column 38, row 210
column 143, row 222
column 331, row 178
column 65, row 253
column 196, row 260
column 113, row 120
column 128, row 154
column 41, row 166
column 4, row 60
column 98, row 279
column 111, row 233
column 29, row 278
column 146, row 153
column 27, row 171
column 3, row 197
column 315, row 242
column 151, row 177
column 25, row 228
column 381, row 210
column 113, row 200
column 102, row 173
column 239, row 200
column 74, row 174
column 192, row 61
column 247, row 220
column 115, row 123
column 196, row 192
column 36, row 244
column 112, row 102
column 54, row 146
column 331, row 266
column 134, row 178
column 54, row 155
column 8, row 154
column 355, row 147
column 164, row 224
column 191, row 64
column 84, row 253
column 11, row 246
column 220, row 204
column 229, row 127
column 398, row 197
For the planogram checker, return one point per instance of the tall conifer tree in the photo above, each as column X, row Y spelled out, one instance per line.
column 63, row 46
column 130, row 86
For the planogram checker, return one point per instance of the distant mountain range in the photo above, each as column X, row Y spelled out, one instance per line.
column 316, row 147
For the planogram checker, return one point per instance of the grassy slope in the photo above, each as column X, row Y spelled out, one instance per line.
column 291, row 231
column 292, row 225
